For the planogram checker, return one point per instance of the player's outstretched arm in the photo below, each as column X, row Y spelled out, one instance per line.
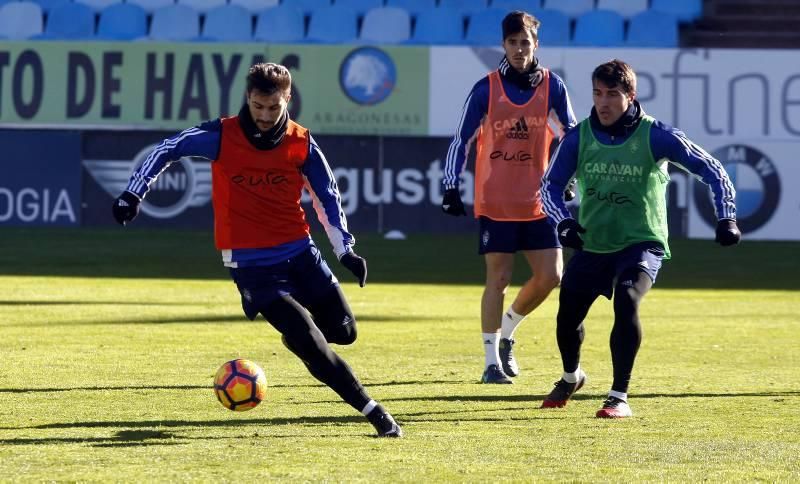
column 667, row 142
column 201, row 141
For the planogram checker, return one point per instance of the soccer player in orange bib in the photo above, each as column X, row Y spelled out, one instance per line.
column 514, row 113
column 261, row 160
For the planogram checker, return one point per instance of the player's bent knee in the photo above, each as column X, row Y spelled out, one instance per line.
column 549, row 280
column 346, row 335
column 626, row 299
column 499, row 284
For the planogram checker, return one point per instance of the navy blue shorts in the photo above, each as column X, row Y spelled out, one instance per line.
column 590, row 272
column 305, row 277
column 516, row 236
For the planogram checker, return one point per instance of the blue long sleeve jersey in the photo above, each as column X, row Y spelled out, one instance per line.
column 204, row 141
column 667, row 144
column 560, row 116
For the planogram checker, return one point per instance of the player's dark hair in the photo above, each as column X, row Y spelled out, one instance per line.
column 269, row 78
column 616, row 73
column 519, row 21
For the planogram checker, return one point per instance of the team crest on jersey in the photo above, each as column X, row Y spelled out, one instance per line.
column 186, row 183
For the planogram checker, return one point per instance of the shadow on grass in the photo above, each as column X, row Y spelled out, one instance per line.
column 394, row 383
column 93, row 303
column 526, row 398
column 208, row 387
column 199, row 319
column 123, row 438
column 194, row 319
column 147, row 387
column 104, row 389
column 232, row 422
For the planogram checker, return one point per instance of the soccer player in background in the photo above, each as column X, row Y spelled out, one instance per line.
column 514, row 113
column 261, row 160
column 620, row 157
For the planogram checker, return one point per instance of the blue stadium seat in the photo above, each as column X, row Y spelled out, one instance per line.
column 626, row 8
column 573, row 8
column 333, row 25
column 255, row 6
column 70, row 21
column 203, row 6
column 284, row 24
column 386, row 25
column 466, row 7
column 530, row 6
column 98, row 5
column 485, row 27
column 652, row 29
column 20, row 20
column 685, row 10
column 228, row 23
column 175, row 23
column 599, row 28
column 3, row 2
column 150, row 6
column 439, row 26
column 359, row 6
column 122, row 21
column 414, row 7
column 555, row 28
column 48, row 5
column 306, row 6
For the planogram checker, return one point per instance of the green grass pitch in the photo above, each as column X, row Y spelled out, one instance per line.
column 110, row 340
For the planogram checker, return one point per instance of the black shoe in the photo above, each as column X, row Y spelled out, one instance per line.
column 506, row 349
column 384, row 423
column 493, row 374
column 563, row 391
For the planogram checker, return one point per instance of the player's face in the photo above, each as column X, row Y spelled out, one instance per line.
column 267, row 109
column 610, row 102
column 519, row 49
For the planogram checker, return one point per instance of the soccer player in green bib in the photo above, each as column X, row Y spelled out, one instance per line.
column 619, row 156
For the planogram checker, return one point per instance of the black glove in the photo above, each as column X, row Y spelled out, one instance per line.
column 568, row 230
column 569, row 192
column 727, row 232
column 452, row 204
column 126, row 207
column 355, row 264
